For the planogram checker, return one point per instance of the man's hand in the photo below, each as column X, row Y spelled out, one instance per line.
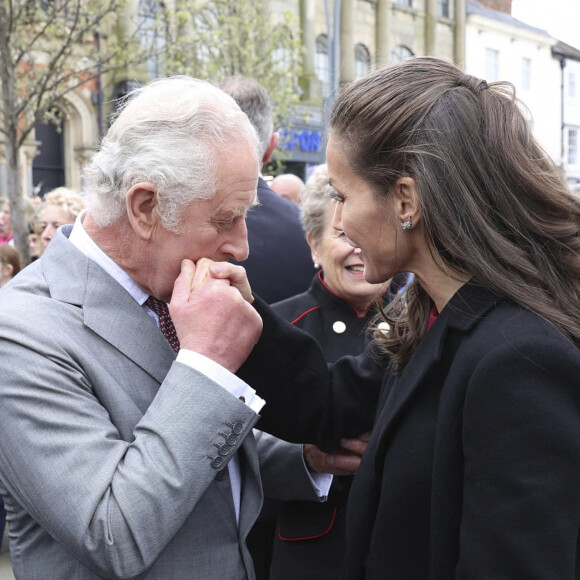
column 212, row 318
column 344, row 461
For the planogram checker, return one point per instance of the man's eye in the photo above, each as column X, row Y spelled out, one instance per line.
column 225, row 224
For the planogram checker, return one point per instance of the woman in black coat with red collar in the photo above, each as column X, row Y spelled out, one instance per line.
column 473, row 467
column 309, row 538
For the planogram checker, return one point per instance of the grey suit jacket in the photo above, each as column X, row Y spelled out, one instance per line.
column 109, row 449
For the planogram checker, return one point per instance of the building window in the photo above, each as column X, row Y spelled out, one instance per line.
column 321, row 63
column 405, row 3
column 362, row 61
column 526, row 74
column 282, row 57
column 572, row 146
column 400, row 52
column 48, row 167
column 491, row 65
column 571, row 84
column 151, row 34
column 443, row 8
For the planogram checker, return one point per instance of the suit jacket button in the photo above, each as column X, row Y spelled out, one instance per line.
column 232, row 439
column 224, row 450
column 217, row 462
column 237, row 428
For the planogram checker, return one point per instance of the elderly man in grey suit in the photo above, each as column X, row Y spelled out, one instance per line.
column 122, row 452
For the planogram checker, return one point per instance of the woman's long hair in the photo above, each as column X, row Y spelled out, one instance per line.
column 493, row 204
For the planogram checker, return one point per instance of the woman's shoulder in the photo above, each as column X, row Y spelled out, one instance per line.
column 510, row 332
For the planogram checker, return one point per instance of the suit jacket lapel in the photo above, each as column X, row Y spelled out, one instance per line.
column 463, row 311
column 108, row 309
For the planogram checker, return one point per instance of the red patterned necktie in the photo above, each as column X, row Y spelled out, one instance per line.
column 165, row 323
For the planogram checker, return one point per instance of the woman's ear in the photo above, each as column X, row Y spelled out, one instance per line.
column 406, row 200
column 8, row 269
column 142, row 209
column 313, row 249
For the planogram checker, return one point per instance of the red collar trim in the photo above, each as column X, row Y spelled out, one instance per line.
column 432, row 317
column 357, row 312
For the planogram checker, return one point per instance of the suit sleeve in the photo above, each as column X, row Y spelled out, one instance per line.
column 114, row 502
column 283, row 469
column 521, row 504
column 307, row 399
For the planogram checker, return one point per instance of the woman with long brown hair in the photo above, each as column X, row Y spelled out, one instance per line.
column 473, row 468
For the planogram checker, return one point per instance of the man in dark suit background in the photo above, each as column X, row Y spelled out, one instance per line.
column 279, row 264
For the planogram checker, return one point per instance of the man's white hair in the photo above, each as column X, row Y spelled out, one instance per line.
column 170, row 133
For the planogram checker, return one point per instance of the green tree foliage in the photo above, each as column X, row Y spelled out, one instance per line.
column 214, row 39
column 49, row 48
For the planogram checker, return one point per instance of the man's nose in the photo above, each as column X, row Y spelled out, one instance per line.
column 238, row 246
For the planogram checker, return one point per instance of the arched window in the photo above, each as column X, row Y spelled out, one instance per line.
column 362, row 61
column 321, row 63
column 48, row 166
column 400, row 52
column 150, row 20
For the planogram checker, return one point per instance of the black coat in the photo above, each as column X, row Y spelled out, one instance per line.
column 280, row 263
column 473, row 469
column 309, row 542
column 317, row 312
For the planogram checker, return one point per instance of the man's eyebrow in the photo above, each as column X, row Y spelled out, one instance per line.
column 240, row 212
column 232, row 213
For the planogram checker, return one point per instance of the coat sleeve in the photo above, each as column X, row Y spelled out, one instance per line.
column 307, row 399
column 113, row 503
column 283, row 469
column 521, row 438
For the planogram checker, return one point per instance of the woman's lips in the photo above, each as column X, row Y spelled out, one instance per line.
column 356, row 270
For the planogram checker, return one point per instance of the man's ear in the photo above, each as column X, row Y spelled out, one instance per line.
column 406, row 200
column 142, row 209
column 272, row 144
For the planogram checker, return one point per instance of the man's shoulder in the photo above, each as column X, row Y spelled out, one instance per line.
column 29, row 283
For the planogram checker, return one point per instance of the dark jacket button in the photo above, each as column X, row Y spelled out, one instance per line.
column 224, row 450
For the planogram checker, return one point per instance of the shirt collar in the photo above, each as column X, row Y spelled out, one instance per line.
column 83, row 242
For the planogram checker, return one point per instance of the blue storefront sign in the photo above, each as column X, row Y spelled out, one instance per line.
column 302, row 140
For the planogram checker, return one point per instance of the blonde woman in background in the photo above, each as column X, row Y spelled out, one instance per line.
column 62, row 206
